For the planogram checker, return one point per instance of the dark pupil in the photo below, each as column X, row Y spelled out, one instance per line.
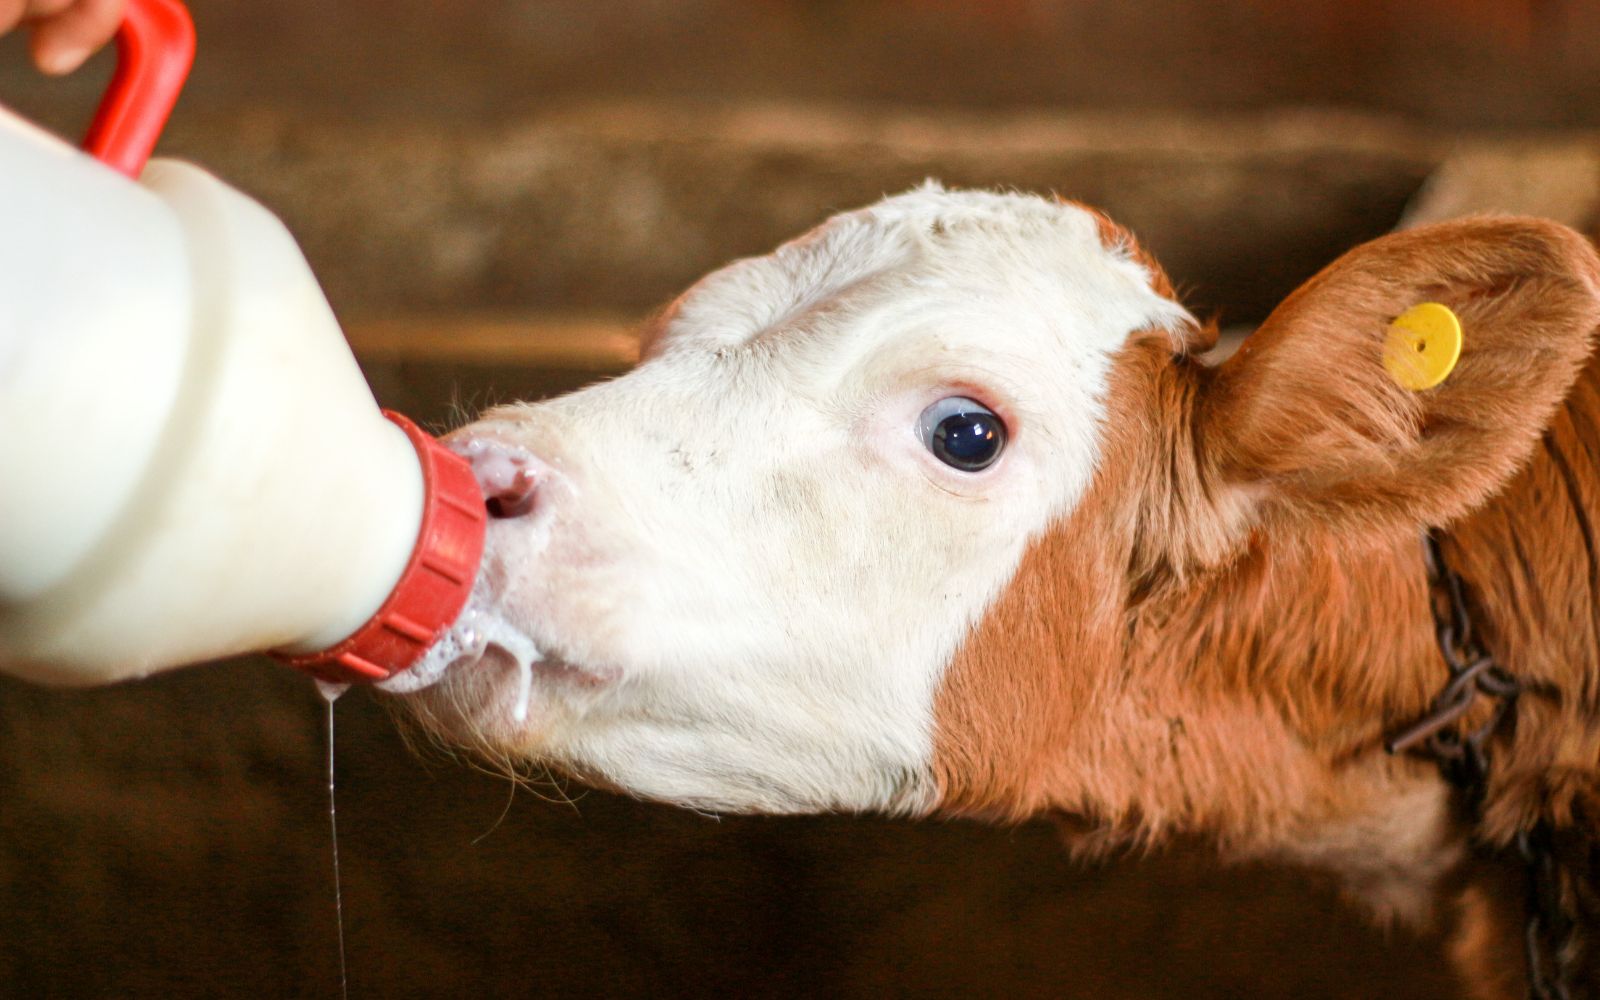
column 967, row 440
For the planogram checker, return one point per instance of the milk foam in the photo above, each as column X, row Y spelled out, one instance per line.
column 480, row 625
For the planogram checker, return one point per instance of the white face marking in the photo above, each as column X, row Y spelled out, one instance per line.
column 745, row 572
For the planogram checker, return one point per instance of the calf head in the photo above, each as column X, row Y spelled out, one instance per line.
column 880, row 518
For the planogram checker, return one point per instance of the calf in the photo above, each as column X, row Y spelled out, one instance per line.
column 937, row 510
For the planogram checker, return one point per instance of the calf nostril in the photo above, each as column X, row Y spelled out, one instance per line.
column 510, row 498
column 505, row 473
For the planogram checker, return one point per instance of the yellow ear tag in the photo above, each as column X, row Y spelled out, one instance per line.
column 1423, row 345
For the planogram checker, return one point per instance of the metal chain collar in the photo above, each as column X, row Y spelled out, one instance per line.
column 1464, row 761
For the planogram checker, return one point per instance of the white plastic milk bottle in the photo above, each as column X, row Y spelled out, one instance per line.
column 191, row 464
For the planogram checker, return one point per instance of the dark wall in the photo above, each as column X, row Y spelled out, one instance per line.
column 1451, row 62
column 170, row 839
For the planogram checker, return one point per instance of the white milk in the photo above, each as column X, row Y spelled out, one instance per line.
column 191, row 465
column 480, row 624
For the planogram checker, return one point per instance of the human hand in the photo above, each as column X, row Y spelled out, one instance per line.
column 65, row 32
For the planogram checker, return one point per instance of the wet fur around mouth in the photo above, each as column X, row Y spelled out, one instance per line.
column 491, row 689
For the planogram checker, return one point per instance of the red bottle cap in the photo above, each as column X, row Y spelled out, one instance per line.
column 435, row 585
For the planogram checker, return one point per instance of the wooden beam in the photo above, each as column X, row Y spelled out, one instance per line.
column 571, row 343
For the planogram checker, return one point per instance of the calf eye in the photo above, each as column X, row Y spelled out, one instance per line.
column 962, row 433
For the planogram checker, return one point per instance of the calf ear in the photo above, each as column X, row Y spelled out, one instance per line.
column 1305, row 425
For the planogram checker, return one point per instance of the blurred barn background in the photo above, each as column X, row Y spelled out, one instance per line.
column 492, row 192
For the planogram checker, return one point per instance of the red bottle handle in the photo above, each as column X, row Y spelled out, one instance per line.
column 155, row 47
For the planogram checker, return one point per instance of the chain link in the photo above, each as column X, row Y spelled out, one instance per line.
column 1464, row 760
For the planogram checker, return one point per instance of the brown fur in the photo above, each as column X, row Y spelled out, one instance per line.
column 1216, row 638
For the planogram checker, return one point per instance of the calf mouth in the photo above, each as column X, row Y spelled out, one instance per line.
column 486, row 677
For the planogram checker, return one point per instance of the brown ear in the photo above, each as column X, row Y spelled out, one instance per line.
column 1306, row 423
